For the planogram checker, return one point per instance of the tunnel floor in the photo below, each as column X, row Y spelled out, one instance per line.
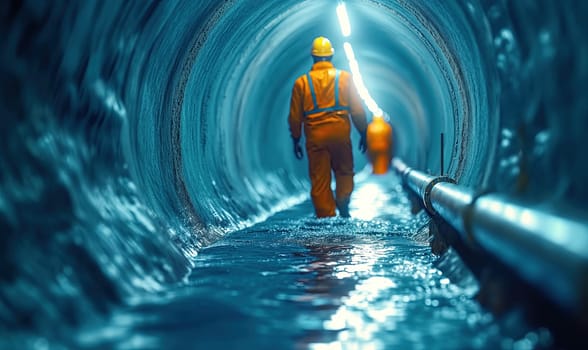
column 294, row 281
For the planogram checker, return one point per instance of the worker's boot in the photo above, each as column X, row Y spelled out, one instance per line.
column 343, row 206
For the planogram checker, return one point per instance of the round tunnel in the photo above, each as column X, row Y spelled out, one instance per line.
column 222, row 109
column 136, row 133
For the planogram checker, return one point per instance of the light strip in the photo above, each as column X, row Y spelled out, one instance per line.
column 353, row 65
column 358, row 80
column 343, row 20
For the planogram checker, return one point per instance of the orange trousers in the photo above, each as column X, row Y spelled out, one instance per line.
column 380, row 162
column 328, row 147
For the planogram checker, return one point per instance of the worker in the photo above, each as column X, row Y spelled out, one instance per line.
column 379, row 144
column 323, row 101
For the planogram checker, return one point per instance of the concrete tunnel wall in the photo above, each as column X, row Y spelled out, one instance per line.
column 135, row 133
column 228, row 86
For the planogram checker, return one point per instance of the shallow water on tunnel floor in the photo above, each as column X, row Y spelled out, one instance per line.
column 294, row 281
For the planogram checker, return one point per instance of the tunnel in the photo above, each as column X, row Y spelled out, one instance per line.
column 150, row 198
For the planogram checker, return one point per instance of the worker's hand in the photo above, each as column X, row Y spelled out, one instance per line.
column 362, row 144
column 297, row 149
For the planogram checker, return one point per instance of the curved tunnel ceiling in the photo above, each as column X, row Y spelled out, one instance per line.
column 229, row 75
column 134, row 133
column 201, row 93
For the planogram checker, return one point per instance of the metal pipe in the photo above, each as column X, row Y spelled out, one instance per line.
column 452, row 202
column 545, row 248
column 442, row 154
column 420, row 183
column 548, row 249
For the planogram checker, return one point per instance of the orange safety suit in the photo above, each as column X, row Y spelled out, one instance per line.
column 379, row 145
column 322, row 101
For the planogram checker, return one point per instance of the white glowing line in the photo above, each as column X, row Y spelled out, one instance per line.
column 358, row 80
column 348, row 51
column 343, row 20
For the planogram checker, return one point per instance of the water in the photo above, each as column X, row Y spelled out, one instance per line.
column 296, row 282
column 135, row 136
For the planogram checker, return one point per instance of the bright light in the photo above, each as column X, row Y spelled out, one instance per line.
column 358, row 80
column 343, row 20
column 348, row 51
column 369, row 200
column 353, row 65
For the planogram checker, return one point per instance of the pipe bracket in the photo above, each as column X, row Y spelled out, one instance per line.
column 429, row 188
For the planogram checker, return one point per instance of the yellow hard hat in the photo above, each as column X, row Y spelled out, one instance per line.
column 321, row 47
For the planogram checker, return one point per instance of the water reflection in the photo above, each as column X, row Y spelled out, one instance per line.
column 324, row 288
column 299, row 282
column 374, row 199
column 341, row 287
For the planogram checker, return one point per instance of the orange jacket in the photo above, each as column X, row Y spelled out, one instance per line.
column 303, row 110
column 379, row 144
